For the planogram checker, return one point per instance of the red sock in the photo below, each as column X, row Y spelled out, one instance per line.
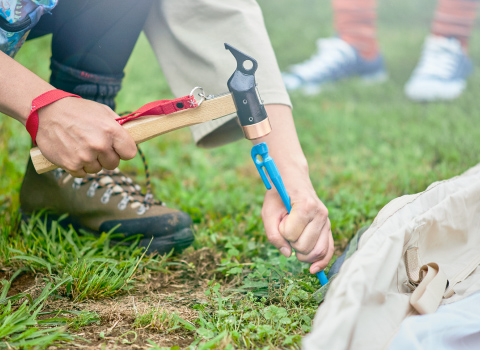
column 355, row 23
column 455, row 19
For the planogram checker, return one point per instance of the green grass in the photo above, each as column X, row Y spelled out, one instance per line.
column 19, row 323
column 365, row 146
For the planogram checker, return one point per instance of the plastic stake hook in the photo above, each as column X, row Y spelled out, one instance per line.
column 266, row 163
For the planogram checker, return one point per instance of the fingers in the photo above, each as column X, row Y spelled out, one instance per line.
column 306, row 229
column 322, row 250
column 322, row 264
column 310, row 235
column 302, row 214
column 272, row 216
column 77, row 173
column 123, row 144
column 92, row 167
column 109, row 159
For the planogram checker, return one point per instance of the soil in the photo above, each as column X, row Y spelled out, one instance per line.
column 118, row 315
column 25, row 282
column 177, row 291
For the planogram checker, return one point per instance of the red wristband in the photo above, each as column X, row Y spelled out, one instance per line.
column 39, row 102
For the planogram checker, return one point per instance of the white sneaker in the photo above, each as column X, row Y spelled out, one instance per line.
column 441, row 73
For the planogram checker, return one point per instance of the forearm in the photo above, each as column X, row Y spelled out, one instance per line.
column 18, row 87
column 284, row 146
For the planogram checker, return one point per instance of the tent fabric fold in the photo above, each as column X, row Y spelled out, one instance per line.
column 372, row 293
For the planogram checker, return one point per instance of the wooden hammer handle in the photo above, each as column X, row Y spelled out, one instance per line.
column 147, row 127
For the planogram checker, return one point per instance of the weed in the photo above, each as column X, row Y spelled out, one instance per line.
column 156, row 347
column 161, row 320
column 82, row 319
column 98, row 278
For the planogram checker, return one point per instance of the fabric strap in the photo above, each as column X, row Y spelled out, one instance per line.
column 161, row 107
column 153, row 108
column 429, row 293
column 39, row 102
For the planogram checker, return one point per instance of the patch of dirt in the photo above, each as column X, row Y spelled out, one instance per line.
column 118, row 315
column 176, row 292
column 24, row 283
column 203, row 263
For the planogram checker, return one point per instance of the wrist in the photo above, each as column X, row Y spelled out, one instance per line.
column 39, row 102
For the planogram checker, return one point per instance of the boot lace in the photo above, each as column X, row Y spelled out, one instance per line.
column 117, row 184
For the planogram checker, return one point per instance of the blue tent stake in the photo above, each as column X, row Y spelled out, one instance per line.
column 267, row 163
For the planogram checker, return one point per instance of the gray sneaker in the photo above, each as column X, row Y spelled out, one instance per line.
column 334, row 60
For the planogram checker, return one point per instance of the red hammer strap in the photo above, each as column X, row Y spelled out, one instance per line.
column 39, row 102
column 161, row 107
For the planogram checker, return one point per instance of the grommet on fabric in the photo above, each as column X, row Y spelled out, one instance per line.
column 160, row 108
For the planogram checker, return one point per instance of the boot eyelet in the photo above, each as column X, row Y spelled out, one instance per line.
column 106, row 196
column 93, row 188
column 77, row 183
column 57, row 173
column 141, row 210
column 122, row 205
column 148, row 197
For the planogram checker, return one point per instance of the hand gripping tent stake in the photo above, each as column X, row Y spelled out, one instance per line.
column 254, row 121
column 268, row 164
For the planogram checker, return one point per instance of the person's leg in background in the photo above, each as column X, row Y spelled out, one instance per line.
column 444, row 66
column 92, row 41
column 354, row 51
column 355, row 23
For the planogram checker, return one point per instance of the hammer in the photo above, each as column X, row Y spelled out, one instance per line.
column 243, row 100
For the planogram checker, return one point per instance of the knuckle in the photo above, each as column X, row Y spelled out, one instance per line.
column 98, row 146
column 303, row 247
column 310, row 204
column 72, row 167
column 313, row 256
column 291, row 236
column 273, row 238
column 78, row 173
column 111, row 165
column 324, row 212
column 84, row 158
column 270, row 236
column 93, row 169
column 320, row 254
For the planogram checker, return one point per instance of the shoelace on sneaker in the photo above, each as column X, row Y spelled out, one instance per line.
column 331, row 56
column 117, row 184
column 439, row 58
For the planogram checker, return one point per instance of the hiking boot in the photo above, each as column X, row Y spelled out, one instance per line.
column 334, row 60
column 441, row 73
column 100, row 202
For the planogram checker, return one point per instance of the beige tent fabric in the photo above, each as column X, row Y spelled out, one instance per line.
column 188, row 39
column 371, row 295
